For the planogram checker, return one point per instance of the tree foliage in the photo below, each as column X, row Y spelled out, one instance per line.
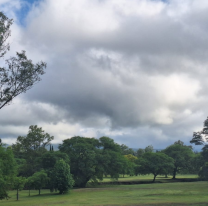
column 83, row 153
column 182, row 156
column 19, row 74
column 5, row 32
column 31, row 147
column 62, row 177
column 18, row 184
column 200, row 137
column 155, row 163
column 38, row 180
column 7, row 171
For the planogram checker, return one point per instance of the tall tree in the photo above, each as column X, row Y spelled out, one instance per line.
column 48, row 160
column 30, row 148
column 20, row 74
column 125, row 150
column 111, row 158
column 149, row 148
column 18, row 184
column 5, row 32
column 140, row 152
column 200, row 137
column 155, row 163
column 62, row 177
column 7, row 171
column 182, row 156
column 39, row 180
column 83, row 153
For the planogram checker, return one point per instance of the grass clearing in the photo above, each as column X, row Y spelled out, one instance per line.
column 179, row 193
column 148, row 179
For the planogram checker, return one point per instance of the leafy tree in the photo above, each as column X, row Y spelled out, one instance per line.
column 7, row 171
column 111, row 159
column 108, row 144
column 84, row 154
column 18, row 184
column 39, row 180
column 200, row 138
column 140, row 152
column 91, row 158
column 48, row 160
column 155, row 163
column 125, row 150
column 149, row 149
column 182, row 156
column 5, row 32
column 131, row 157
column 111, row 163
column 203, row 173
column 62, row 177
column 30, row 148
column 20, row 74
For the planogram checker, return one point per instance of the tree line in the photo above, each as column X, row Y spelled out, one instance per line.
column 29, row 164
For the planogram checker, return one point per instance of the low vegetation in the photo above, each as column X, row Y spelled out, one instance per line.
column 189, row 193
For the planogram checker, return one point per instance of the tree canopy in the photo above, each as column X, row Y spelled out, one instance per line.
column 19, row 74
column 182, row 156
column 7, row 171
column 155, row 163
column 200, row 137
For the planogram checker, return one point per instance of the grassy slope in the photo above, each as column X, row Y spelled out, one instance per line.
column 189, row 193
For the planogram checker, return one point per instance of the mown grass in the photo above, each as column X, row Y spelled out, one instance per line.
column 149, row 178
column 179, row 193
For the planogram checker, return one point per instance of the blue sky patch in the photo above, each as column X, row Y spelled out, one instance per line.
column 22, row 13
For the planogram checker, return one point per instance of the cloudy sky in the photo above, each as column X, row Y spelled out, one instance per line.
column 133, row 70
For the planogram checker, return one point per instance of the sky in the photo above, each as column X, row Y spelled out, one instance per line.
column 133, row 70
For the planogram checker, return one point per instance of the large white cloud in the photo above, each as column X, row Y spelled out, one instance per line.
column 133, row 70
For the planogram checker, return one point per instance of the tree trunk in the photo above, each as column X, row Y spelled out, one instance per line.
column 17, row 194
column 166, row 176
column 174, row 172
column 154, row 178
column 39, row 191
column 29, row 192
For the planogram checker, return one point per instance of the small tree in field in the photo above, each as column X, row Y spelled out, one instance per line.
column 18, row 184
column 39, row 180
column 155, row 163
column 63, row 180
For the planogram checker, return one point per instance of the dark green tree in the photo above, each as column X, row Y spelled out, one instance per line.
column 20, row 74
column 155, row 163
column 83, row 154
column 18, row 184
column 140, row 152
column 149, row 149
column 111, row 158
column 38, row 180
column 7, row 171
column 182, row 156
column 48, row 160
column 62, row 177
column 125, row 150
column 31, row 148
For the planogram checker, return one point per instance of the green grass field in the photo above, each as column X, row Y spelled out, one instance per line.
column 178, row 193
column 149, row 178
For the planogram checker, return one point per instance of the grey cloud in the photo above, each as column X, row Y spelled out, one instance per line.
column 107, row 80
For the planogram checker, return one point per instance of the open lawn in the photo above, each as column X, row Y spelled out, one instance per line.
column 178, row 193
column 149, row 178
